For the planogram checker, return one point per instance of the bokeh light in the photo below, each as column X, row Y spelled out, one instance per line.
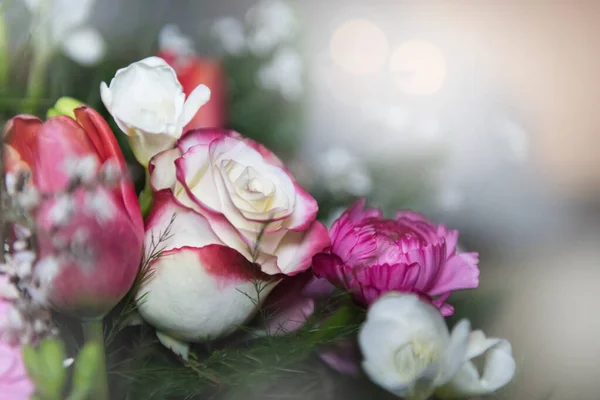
column 418, row 68
column 359, row 47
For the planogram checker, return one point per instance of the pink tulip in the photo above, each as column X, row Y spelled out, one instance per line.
column 95, row 234
column 371, row 255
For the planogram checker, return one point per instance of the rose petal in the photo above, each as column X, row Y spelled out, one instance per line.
column 296, row 250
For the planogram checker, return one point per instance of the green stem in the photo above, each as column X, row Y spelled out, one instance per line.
column 93, row 332
column 36, row 80
column 4, row 53
column 145, row 198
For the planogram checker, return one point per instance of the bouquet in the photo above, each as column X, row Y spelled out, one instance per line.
column 210, row 274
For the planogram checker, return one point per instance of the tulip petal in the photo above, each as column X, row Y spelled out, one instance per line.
column 105, row 143
column 21, row 133
column 59, row 139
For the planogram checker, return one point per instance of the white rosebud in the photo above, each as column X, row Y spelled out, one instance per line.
column 149, row 105
column 407, row 348
column 498, row 369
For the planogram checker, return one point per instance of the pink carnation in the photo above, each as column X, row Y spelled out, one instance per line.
column 14, row 382
column 371, row 255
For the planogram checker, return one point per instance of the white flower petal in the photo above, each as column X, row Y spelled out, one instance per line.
column 406, row 345
column 498, row 370
column 84, row 46
column 147, row 102
column 178, row 347
column 199, row 97
column 163, row 169
column 455, row 353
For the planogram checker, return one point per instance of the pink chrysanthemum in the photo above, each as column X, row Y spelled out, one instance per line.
column 371, row 255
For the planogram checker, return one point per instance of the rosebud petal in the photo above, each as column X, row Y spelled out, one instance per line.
column 148, row 104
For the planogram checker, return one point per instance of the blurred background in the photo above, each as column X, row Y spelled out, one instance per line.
column 482, row 115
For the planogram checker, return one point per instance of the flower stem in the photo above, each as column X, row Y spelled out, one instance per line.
column 145, row 198
column 4, row 53
column 93, row 332
column 36, row 81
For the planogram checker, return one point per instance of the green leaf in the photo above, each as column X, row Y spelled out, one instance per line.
column 51, row 354
column 30, row 358
column 86, row 367
column 341, row 318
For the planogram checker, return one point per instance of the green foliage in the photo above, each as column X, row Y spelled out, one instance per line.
column 85, row 370
column 45, row 367
column 242, row 365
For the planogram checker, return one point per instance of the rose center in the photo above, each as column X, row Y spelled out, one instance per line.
column 252, row 191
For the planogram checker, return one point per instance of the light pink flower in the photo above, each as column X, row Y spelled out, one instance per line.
column 238, row 221
column 292, row 302
column 14, row 382
column 371, row 255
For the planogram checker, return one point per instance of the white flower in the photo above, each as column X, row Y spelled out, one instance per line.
column 61, row 23
column 98, row 203
column 406, row 346
column 498, row 368
column 62, row 210
column 171, row 39
column 272, row 22
column 230, row 34
column 284, row 74
column 149, row 105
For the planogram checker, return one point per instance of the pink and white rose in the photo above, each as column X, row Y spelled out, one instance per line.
column 240, row 221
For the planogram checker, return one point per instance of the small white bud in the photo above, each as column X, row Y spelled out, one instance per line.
column 45, row 270
column 62, row 210
column 110, row 173
column 82, row 168
column 100, row 205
